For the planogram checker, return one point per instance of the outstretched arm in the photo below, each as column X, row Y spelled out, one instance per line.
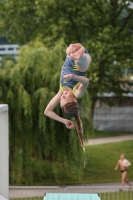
column 49, row 111
column 117, row 166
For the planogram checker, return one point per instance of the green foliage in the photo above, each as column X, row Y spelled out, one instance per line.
column 99, row 168
column 51, row 20
column 7, row 61
column 47, row 20
column 27, row 87
column 104, row 27
column 102, row 161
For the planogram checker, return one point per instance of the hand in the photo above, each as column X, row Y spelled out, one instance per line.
column 69, row 124
column 68, row 77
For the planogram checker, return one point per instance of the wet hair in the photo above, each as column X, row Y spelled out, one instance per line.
column 71, row 110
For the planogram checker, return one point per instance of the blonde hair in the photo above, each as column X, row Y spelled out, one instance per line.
column 70, row 110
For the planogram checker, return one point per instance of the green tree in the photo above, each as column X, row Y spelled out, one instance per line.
column 47, row 20
column 27, row 87
column 104, row 27
column 111, row 49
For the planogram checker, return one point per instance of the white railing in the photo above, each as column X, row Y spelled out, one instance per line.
column 38, row 192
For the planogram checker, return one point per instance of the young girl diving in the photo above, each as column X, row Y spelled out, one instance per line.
column 73, row 84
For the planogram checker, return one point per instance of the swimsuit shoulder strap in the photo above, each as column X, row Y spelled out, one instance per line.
column 75, row 86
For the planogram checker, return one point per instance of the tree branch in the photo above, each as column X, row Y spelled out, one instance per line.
column 125, row 22
column 98, row 7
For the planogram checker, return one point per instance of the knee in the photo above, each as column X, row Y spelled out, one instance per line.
column 89, row 59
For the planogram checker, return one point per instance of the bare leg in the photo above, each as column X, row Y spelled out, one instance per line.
column 76, row 52
column 83, row 63
column 124, row 179
column 127, row 182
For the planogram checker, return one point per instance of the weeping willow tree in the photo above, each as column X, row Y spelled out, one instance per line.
column 27, row 86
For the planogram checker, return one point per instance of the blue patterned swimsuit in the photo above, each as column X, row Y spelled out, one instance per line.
column 69, row 67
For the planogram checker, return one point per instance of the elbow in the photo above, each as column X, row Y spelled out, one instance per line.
column 89, row 59
column 46, row 112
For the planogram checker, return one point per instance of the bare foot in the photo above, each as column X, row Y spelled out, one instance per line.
column 73, row 48
column 76, row 55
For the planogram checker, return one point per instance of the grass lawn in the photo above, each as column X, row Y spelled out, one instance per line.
column 102, row 161
column 100, row 166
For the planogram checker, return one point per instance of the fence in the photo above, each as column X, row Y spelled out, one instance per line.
column 113, row 119
column 38, row 192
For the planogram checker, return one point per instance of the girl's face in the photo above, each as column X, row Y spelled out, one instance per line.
column 67, row 97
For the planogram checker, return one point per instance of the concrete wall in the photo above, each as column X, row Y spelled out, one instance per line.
column 113, row 119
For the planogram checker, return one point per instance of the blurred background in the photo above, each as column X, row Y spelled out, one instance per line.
column 33, row 38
